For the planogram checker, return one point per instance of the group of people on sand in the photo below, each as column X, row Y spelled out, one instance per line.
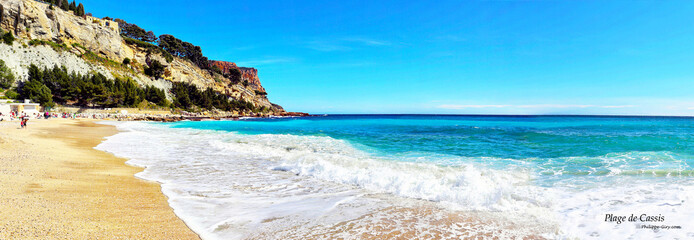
column 24, row 119
column 19, row 116
column 47, row 115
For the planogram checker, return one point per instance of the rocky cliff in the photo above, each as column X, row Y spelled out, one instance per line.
column 247, row 73
column 87, row 44
column 34, row 20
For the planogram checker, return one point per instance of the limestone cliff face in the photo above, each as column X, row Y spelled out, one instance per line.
column 35, row 20
column 251, row 74
column 224, row 66
column 29, row 19
column 247, row 74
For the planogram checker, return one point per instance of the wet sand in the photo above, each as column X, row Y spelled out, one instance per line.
column 54, row 185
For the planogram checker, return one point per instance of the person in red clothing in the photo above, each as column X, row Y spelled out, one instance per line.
column 25, row 119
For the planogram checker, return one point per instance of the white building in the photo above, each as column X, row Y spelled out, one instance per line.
column 103, row 22
column 27, row 107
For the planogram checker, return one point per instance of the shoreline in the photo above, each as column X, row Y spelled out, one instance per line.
column 55, row 184
column 248, row 205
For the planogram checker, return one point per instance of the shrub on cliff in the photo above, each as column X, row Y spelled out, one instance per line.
column 234, row 75
column 155, row 69
column 57, row 47
column 6, row 76
column 8, row 38
column 216, row 69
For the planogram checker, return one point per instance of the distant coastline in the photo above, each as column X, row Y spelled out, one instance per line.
column 501, row 115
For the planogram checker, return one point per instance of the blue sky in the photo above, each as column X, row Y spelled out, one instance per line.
column 455, row 57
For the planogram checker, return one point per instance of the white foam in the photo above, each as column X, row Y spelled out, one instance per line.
column 583, row 211
column 228, row 186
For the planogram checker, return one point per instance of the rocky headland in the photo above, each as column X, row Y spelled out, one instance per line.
column 48, row 36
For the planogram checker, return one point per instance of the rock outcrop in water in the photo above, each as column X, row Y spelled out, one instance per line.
column 88, row 44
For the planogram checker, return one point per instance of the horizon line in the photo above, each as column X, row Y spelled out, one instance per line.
column 502, row 115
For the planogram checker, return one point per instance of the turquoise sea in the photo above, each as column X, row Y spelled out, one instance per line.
column 557, row 176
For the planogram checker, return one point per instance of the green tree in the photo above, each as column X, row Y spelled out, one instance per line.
column 181, row 99
column 80, row 10
column 11, row 94
column 6, row 76
column 216, row 69
column 35, row 73
column 49, row 86
column 156, row 96
column 155, row 69
column 37, row 92
column 64, row 5
column 234, row 75
column 73, row 6
column 126, row 61
column 135, row 32
column 183, row 49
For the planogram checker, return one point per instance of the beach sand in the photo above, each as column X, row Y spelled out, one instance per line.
column 54, row 185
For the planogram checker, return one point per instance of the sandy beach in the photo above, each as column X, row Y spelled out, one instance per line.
column 54, row 185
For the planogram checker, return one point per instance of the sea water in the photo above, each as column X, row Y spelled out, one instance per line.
column 422, row 176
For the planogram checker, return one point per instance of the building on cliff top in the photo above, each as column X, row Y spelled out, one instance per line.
column 103, row 22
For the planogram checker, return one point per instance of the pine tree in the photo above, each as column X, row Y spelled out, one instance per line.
column 64, row 5
column 6, row 76
column 80, row 10
column 73, row 6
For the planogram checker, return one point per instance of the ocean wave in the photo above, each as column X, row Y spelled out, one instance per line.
column 634, row 163
column 213, row 176
column 227, row 185
column 338, row 161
